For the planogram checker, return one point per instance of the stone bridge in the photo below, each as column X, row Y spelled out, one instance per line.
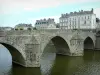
column 27, row 47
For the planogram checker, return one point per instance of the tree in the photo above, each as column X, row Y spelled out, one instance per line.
column 97, row 20
column 57, row 26
column 29, row 29
column 21, row 28
column 34, row 28
column 16, row 29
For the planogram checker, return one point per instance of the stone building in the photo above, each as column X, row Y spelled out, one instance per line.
column 78, row 20
column 45, row 24
column 5, row 28
column 23, row 26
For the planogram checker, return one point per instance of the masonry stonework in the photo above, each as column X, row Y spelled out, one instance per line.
column 26, row 47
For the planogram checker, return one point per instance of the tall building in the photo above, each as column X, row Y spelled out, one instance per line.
column 78, row 20
column 45, row 24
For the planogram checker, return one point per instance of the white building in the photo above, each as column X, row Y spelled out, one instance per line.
column 5, row 28
column 45, row 24
column 23, row 26
column 78, row 20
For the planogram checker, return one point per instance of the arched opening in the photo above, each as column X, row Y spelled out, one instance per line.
column 56, row 45
column 88, row 44
column 88, row 49
column 17, row 57
column 61, row 45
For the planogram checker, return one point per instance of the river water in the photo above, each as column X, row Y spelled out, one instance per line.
column 52, row 64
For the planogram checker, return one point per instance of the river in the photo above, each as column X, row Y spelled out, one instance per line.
column 52, row 64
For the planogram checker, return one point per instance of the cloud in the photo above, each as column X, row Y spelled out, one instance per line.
column 18, row 5
column 33, row 20
column 16, row 11
column 97, row 12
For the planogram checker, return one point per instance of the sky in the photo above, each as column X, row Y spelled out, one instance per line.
column 13, row 12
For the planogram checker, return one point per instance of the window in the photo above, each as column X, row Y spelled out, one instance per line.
column 62, row 20
column 90, row 21
column 75, row 22
column 88, row 17
column 79, row 18
column 75, row 27
column 93, row 21
column 66, row 20
column 70, row 19
column 82, row 18
column 85, row 17
column 62, row 24
column 75, row 19
column 84, row 22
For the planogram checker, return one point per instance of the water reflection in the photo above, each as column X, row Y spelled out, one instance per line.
column 91, row 65
column 47, row 63
column 48, row 58
column 5, row 62
column 52, row 64
column 65, row 65
column 19, row 70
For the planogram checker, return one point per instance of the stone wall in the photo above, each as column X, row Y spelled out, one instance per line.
column 31, row 44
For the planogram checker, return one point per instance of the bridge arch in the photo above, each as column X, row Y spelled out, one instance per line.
column 17, row 56
column 88, row 43
column 61, row 45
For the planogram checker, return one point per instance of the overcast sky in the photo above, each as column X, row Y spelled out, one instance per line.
column 13, row 12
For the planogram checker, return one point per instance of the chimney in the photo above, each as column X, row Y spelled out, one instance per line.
column 92, row 10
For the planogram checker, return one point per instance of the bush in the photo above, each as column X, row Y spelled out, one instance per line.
column 29, row 29
column 16, row 29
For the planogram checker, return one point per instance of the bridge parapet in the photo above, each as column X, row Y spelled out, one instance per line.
column 2, row 34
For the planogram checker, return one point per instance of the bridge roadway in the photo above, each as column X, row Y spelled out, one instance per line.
column 27, row 46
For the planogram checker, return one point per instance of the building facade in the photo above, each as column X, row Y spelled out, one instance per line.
column 45, row 24
column 78, row 20
column 5, row 28
column 23, row 27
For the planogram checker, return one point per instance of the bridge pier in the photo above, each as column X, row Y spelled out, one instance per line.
column 76, row 46
column 97, row 44
column 77, row 51
column 32, row 55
